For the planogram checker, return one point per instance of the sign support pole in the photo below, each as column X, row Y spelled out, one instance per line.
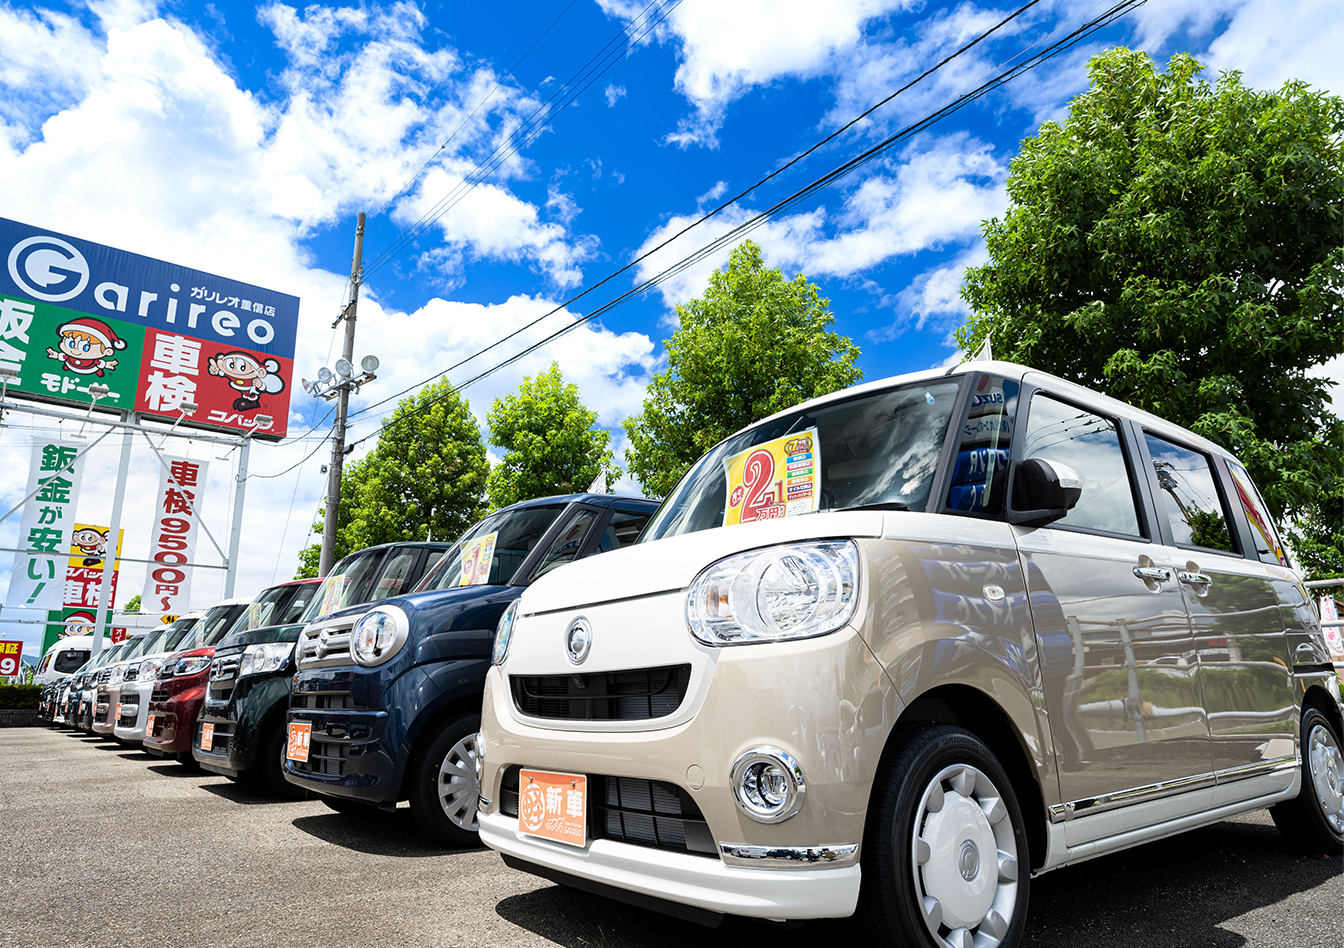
column 236, row 531
column 328, row 556
column 114, row 531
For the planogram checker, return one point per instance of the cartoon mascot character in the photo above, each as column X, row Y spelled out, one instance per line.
column 85, row 346
column 92, row 543
column 249, row 376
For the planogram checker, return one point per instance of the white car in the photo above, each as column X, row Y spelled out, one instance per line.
column 138, row 676
column 108, row 687
column 65, row 657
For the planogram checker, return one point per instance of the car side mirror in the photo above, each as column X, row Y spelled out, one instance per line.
column 1043, row 492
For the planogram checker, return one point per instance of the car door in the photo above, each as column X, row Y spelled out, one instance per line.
column 1245, row 678
column 1116, row 653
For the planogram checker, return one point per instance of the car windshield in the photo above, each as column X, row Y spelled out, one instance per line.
column 346, row 585
column 878, row 449
column 279, row 605
column 133, row 648
column 216, row 623
column 193, row 626
column 491, row 552
column 68, row 661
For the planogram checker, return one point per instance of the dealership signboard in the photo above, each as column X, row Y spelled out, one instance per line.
column 74, row 313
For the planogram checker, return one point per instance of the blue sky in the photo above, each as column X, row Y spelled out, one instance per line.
column 242, row 139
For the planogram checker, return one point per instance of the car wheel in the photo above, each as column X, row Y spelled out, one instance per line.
column 945, row 862
column 1314, row 821
column 271, row 766
column 444, row 787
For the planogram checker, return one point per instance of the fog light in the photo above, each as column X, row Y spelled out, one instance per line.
column 768, row 784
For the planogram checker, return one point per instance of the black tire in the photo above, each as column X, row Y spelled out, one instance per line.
column 932, row 783
column 1313, row 822
column 348, row 807
column 443, row 787
column 269, row 773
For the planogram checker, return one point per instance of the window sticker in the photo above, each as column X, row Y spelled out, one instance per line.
column 476, row 557
column 332, row 593
column 774, row 479
column 254, row 615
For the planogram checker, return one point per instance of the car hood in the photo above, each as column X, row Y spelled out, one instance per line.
column 665, row 565
column 269, row 633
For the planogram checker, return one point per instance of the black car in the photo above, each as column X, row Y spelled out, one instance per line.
column 386, row 702
column 240, row 730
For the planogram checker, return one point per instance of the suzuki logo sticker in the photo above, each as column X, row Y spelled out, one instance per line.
column 578, row 640
column 48, row 269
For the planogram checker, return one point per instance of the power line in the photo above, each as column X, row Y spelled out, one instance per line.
column 705, row 217
column 531, row 128
column 1059, row 46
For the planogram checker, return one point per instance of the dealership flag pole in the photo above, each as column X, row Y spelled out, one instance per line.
column 328, row 556
column 114, row 531
column 236, row 531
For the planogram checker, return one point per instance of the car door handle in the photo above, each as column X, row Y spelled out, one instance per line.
column 1155, row 573
column 1193, row 579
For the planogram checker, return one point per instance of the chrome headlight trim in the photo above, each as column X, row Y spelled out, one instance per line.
column 504, row 634
column 777, row 593
column 379, row 635
column 264, row 657
column 743, row 773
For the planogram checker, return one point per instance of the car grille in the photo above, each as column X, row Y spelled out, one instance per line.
column 159, row 694
column 633, row 810
column 226, row 668
column 128, row 715
column 104, row 676
column 219, row 742
column 323, row 701
column 328, row 644
column 634, row 695
column 131, row 674
column 324, row 757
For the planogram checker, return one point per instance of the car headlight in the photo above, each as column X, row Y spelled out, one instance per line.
column 793, row 591
column 379, row 635
column 191, row 665
column 503, row 632
column 150, row 668
column 114, row 676
column 266, row 657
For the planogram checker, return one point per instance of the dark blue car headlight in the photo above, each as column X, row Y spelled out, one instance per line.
column 379, row 635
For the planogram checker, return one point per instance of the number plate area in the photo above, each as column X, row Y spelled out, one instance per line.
column 553, row 806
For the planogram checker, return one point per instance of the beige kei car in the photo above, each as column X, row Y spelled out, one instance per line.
column 904, row 647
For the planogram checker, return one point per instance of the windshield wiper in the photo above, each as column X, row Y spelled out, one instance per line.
column 880, row 505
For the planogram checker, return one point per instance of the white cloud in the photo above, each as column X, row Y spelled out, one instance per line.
column 614, row 93
column 932, row 301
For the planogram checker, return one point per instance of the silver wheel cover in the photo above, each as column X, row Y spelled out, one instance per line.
column 458, row 788
column 964, row 859
column 1325, row 764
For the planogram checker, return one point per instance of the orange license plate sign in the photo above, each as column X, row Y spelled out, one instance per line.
column 207, row 737
column 149, row 726
column 300, row 735
column 553, row 806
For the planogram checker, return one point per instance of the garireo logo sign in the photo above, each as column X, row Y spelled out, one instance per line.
column 75, row 313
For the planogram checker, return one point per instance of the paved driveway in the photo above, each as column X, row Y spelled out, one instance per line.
column 105, row 845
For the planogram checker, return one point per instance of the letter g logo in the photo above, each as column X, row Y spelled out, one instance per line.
column 48, row 269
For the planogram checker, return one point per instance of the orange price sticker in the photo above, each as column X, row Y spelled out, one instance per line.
column 207, row 736
column 300, row 736
column 553, row 806
column 149, row 726
column 117, row 716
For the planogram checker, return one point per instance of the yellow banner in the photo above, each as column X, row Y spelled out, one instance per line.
column 779, row 478
column 88, row 546
column 476, row 557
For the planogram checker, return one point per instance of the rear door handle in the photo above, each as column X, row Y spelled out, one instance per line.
column 1193, row 579
column 1156, row 573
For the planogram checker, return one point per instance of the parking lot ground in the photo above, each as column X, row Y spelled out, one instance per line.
column 105, row 845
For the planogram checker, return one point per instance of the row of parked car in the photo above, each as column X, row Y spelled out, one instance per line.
column 896, row 651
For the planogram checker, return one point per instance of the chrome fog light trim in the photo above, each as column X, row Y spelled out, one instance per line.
column 789, row 857
column 768, row 784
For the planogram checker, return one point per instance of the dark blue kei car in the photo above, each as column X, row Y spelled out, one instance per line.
column 387, row 700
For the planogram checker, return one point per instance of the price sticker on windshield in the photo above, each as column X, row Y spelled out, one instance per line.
column 778, row 478
column 332, row 593
column 553, row 806
column 477, row 555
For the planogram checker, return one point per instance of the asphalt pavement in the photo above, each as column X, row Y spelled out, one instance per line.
column 105, row 845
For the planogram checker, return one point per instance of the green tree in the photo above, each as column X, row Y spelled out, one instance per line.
column 753, row 345
column 424, row 478
column 132, row 605
column 551, row 443
column 1177, row 244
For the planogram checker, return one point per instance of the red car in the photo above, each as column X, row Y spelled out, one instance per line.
column 179, row 690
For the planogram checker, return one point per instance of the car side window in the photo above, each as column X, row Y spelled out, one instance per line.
column 1089, row 444
column 1187, row 496
column 980, row 475
column 567, row 543
column 622, row 530
column 1266, row 537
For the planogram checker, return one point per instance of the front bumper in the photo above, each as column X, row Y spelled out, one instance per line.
column 175, row 704
column 104, row 706
column 240, row 716
column 704, row 883
column 131, row 711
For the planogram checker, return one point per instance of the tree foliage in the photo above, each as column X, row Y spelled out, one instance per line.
column 753, row 345
column 425, row 478
column 1177, row 244
column 132, row 605
column 551, row 443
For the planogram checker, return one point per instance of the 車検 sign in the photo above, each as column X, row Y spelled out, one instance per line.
column 74, row 313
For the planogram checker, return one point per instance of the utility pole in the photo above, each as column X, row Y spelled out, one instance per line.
column 328, row 557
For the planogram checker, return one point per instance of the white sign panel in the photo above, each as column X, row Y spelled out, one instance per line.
column 38, row 581
column 177, row 509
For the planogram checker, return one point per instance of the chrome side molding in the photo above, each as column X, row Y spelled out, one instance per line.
column 788, row 857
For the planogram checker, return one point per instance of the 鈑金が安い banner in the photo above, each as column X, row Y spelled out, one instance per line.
column 38, row 580
column 173, row 542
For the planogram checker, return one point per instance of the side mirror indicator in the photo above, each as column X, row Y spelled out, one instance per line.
column 1043, row 492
